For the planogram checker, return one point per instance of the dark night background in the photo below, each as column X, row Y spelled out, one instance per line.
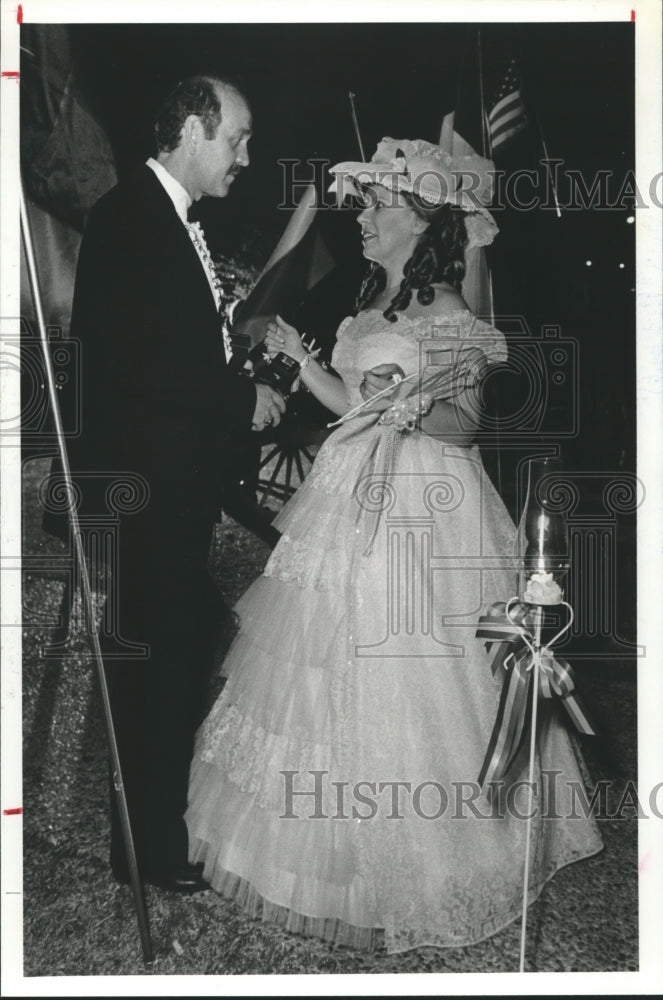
column 577, row 79
column 577, row 84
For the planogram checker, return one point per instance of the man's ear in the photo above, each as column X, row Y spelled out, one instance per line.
column 192, row 134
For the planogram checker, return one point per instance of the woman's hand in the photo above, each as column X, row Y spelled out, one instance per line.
column 283, row 338
column 377, row 380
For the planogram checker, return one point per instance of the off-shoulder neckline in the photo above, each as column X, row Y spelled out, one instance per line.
column 416, row 319
column 413, row 321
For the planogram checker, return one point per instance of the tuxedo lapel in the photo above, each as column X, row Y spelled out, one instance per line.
column 186, row 266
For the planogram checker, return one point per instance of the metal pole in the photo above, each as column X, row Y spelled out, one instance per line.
column 356, row 125
column 546, row 155
column 484, row 128
column 532, row 751
column 485, row 140
column 121, row 799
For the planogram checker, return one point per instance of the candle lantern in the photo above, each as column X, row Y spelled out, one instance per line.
column 543, row 537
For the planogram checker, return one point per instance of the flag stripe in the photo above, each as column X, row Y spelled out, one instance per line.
column 503, row 136
column 507, row 115
column 504, row 119
column 510, row 99
column 509, row 126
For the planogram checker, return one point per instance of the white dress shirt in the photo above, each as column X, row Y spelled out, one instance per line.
column 179, row 196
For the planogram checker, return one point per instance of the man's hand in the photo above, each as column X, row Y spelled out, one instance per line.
column 377, row 380
column 270, row 405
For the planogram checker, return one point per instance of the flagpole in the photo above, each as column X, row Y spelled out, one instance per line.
column 485, row 139
column 546, row 154
column 481, row 97
column 356, row 125
column 547, row 162
column 88, row 603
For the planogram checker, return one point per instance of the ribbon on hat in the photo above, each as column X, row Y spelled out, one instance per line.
column 435, row 176
column 514, row 660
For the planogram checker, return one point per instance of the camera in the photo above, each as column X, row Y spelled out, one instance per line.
column 280, row 373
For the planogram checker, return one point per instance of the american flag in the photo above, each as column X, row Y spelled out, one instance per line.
column 507, row 116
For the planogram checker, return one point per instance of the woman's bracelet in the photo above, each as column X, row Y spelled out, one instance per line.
column 307, row 360
column 405, row 414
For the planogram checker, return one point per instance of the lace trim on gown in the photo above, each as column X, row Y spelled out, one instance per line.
column 313, row 688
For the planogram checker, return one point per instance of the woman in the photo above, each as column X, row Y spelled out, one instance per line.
column 333, row 787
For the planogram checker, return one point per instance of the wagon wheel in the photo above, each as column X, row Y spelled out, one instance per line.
column 286, row 460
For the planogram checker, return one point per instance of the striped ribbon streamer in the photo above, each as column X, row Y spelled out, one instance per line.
column 514, row 659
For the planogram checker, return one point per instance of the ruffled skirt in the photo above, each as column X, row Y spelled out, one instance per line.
column 333, row 788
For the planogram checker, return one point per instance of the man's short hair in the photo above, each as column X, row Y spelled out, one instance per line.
column 197, row 95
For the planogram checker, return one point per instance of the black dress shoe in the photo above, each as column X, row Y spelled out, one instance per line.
column 184, row 878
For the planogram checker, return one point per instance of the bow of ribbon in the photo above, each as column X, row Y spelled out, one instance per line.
column 514, row 659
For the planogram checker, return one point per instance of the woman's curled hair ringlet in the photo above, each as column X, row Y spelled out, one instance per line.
column 438, row 256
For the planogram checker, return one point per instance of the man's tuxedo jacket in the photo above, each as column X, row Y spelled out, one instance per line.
column 157, row 396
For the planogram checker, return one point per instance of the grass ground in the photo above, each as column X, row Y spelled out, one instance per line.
column 78, row 922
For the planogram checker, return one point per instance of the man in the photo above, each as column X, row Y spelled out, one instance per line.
column 159, row 400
